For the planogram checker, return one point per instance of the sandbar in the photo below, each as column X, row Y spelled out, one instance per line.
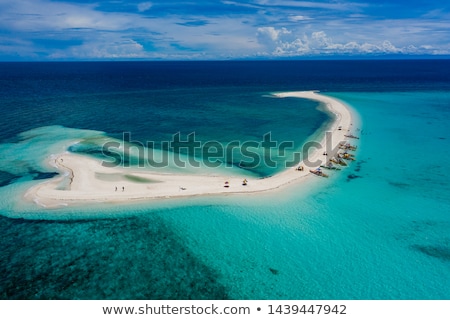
column 87, row 181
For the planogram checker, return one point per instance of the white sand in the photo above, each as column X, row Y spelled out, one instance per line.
column 89, row 182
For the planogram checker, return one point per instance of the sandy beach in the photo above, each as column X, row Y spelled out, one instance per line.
column 83, row 179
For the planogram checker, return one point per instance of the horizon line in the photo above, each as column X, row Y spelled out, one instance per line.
column 334, row 58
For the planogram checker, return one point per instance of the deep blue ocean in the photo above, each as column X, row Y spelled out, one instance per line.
column 380, row 229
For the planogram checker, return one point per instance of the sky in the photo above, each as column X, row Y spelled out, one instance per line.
column 221, row 29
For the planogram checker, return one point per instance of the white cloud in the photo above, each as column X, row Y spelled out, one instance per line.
column 272, row 33
column 320, row 39
column 388, row 47
column 331, row 5
column 42, row 15
column 296, row 18
column 318, row 42
column 112, row 49
column 144, row 6
column 273, row 28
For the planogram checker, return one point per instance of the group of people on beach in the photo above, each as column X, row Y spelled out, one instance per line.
column 123, row 189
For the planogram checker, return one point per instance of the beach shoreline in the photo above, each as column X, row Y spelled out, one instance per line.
column 86, row 185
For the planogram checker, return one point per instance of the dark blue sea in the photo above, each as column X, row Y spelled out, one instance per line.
column 379, row 229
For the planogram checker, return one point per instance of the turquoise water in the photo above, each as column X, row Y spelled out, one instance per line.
column 376, row 230
column 380, row 230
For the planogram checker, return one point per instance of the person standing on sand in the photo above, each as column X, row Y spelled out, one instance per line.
column 123, row 189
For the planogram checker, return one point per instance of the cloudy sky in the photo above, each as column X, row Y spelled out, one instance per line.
column 221, row 29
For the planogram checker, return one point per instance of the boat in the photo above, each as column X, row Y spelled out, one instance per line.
column 330, row 167
column 351, row 136
column 347, row 156
column 347, row 146
column 339, row 161
column 318, row 172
